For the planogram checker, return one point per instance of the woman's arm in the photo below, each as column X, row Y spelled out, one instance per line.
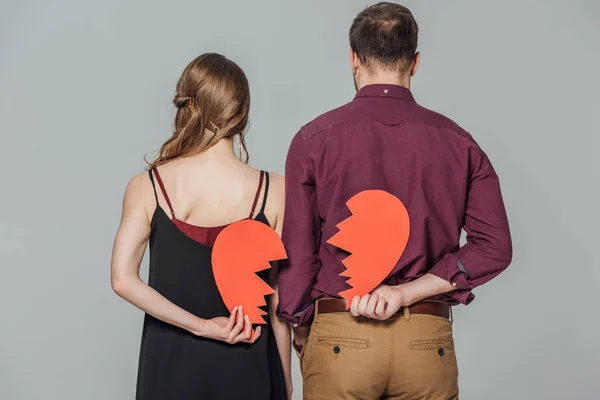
column 281, row 328
column 128, row 251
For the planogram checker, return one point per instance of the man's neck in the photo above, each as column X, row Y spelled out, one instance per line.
column 385, row 78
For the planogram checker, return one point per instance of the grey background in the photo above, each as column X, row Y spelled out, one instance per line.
column 85, row 90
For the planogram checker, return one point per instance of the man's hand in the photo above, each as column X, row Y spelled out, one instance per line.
column 381, row 303
column 301, row 336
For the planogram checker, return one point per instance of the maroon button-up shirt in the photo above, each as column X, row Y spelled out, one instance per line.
column 384, row 140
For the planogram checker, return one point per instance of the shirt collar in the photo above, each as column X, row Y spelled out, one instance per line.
column 385, row 90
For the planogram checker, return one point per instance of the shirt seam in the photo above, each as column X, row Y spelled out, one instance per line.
column 456, row 132
column 385, row 97
column 348, row 123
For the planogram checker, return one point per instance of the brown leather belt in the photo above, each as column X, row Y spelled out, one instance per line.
column 325, row 306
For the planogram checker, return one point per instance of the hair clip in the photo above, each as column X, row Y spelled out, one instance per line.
column 213, row 127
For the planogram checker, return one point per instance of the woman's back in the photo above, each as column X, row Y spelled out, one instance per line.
column 181, row 247
column 216, row 189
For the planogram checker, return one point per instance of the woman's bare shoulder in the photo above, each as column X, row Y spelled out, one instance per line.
column 138, row 185
column 278, row 183
column 278, row 190
column 140, row 193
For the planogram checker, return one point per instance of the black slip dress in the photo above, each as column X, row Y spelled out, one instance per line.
column 177, row 365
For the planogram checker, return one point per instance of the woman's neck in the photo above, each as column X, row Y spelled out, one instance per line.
column 222, row 150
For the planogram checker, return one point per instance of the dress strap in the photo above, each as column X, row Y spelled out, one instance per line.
column 153, row 185
column 164, row 192
column 264, row 203
column 260, row 183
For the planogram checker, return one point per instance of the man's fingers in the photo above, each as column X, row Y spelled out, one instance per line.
column 380, row 308
column 371, row 304
column 354, row 306
column 362, row 305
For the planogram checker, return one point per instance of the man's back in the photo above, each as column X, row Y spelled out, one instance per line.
column 384, row 140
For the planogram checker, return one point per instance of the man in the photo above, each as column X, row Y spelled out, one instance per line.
column 396, row 342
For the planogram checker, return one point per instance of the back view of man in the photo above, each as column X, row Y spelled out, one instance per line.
column 396, row 342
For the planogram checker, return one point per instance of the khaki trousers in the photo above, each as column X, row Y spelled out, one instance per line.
column 408, row 357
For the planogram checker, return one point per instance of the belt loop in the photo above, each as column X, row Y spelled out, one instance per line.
column 406, row 313
column 451, row 315
column 316, row 317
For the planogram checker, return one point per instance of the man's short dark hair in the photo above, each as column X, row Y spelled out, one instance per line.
column 385, row 35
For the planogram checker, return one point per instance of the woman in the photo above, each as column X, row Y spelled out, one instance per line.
column 192, row 347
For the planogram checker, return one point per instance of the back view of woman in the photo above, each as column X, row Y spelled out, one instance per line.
column 192, row 347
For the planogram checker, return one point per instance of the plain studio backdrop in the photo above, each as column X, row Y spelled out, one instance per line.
column 86, row 90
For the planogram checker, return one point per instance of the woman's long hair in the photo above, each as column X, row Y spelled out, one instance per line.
column 213, row 102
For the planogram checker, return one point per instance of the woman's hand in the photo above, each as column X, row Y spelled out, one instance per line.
column 236, row 328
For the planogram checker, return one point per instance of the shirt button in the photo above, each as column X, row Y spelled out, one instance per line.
column 454, row 284
column 385, row 91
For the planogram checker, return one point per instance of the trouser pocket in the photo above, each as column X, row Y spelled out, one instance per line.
column 345, row 359
column 430, row 365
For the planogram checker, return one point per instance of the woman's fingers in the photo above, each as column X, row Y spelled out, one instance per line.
column 237, row 328
column 232, row 319
column 255, row 335
column 247, row 328
column 246, row 334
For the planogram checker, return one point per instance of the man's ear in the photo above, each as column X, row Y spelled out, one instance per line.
column 415, row 65
column 354, row 62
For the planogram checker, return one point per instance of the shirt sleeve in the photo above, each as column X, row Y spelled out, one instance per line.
column 488, row 250
column 301, row 236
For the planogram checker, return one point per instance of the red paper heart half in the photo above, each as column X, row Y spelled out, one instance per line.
column 240, row 251
column 376, row 235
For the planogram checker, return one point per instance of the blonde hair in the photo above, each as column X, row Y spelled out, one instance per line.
column 213, row 102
